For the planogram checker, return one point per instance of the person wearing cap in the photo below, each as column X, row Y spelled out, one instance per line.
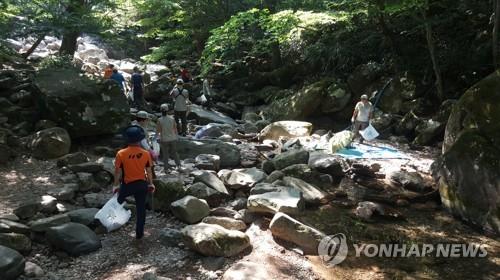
column 133, row 174
column 137, row 85
column 141, row 119
column 180, row 95
column 361, row 116
column 167, row 130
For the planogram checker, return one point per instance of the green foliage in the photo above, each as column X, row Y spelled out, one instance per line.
column 57, row 62
column 260, row 34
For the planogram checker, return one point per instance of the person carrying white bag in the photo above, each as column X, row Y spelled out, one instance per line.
column 361, row 116
column 133, row 175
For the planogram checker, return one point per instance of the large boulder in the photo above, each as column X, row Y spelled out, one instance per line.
column 74, row 158
column 283, row 200
column 11, row 263
column 226, row 222
column 429, row 131
column 7, row 226
column 292, row 157
column 80, row 105
column 326, row 163
column 286, row 129
column 214, row 240
column 202, row 191
column 243, row 178
column 16, row 241
column 190, row 209
column 204, row 117
column 50, row 143
column 212, row 181
column 167, row 191
column 311, row 194
column 73, row 238
column 229, row 154
column 289, row 229
column 84, row 216
column 304, row 103
column 468, row 169
column 42, row 225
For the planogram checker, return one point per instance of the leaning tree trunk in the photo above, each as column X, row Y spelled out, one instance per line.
column 34, row 46
column 496, row 21
column 432, row 52
column 68, row 44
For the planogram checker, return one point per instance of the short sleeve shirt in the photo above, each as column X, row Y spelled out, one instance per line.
column 180, row 99
column 133, row 161
column 364, row 111
column 167, row 129
column 118, row 78
column 137, row 81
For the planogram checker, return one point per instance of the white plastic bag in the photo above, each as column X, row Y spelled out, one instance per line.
column 112, row 215
column 369, row 133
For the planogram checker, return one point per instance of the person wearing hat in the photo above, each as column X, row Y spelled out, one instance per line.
column 133, row 174
column 180, row 95
column 166, row 128
column 141, row 119
column 361, row 116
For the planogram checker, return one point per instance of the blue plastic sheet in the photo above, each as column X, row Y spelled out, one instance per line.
column 370, row 151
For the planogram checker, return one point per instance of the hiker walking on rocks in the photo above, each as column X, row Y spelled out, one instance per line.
column 137, row 85
column 167, row 131
column 185, row 75
column 207, row 93
column 133, row 175
column 361, row 116
column 117, row 77
column 180, row 95
column 108, row 71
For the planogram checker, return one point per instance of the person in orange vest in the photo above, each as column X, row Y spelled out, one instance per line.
column 133, row 174
column 108, row 71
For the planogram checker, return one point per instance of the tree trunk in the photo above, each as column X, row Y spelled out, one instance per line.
column 388, row 34
column 432, row 52
column 68, row 44
column 34, row 46
column 496, row 21
column 70, row 35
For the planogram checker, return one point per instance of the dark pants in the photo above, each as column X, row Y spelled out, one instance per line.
column 139, row 99
column 357, row 127
column 181, row 116
column 139, row 189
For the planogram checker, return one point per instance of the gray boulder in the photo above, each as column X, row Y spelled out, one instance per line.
column 311, row 194
column 325, row 163
column 290, row 158
column 209, row 116
column 287, row 129
column 289, row 229
column 28, row 208
column 214, row 240
column 202, row 191
column 96, row 200
column 429, row 131
column 229, row 153
column 283, row 200
column 86, row 182
column 412, row 181
column 11, row 263
column 208, row 162
column 225, row 222
column 7, row 226
column 82, row 106
column 86, row 167
column 42, row 225
column 167, row 191
column 32, row 270
column 212, row 181
column 73, row 238
column 243, row 178
column 190, row 209
column 83, row 216
column 50, row 143
column 16, row 241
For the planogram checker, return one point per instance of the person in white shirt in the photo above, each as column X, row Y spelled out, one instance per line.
column 180, row 96
column 363, row 113
column 167, row 131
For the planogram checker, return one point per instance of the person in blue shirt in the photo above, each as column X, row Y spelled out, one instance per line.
column 138, row 88
column 117, row 77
